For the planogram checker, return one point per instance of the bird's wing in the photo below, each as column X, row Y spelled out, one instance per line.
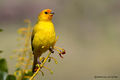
column 32, row 37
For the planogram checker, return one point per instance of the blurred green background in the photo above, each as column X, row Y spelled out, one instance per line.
column 89, row 31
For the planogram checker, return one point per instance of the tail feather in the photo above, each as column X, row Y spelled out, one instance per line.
column 34, row 64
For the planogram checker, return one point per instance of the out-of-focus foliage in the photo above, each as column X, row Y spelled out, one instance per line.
column 11, row 77
column 24, row 53
column 4, row 69
column 1, row 30
column 3, row 65
column 1, row 51
column 3, row 75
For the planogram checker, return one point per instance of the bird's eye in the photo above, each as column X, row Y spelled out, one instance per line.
column 46, row 12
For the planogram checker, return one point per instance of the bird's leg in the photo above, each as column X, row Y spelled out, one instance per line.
column 38, row 61
column 51, row 50
column 42, row 59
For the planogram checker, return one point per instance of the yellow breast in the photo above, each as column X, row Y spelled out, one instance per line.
column 44, row 36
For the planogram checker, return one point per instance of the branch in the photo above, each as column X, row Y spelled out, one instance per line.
column 41, row 65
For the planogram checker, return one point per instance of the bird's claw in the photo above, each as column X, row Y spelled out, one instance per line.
column 51, row 50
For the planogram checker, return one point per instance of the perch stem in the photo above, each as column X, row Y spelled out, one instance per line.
column 40, row 66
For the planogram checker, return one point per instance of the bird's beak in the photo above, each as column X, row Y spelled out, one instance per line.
column 52, row 13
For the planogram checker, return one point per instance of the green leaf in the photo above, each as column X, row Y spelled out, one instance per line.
column 1, row 51
column 11, row 77
column 1, row 30
column 17, row 69
column 3, row 75
column 29, row 73
column 25, row 79
column 3, row 65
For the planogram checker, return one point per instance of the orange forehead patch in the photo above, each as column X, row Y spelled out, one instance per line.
column 48, row 10
column 45, row 10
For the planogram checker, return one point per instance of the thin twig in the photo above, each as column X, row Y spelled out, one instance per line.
column 40, row 66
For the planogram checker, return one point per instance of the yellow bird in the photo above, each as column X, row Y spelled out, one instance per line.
column 43, row 35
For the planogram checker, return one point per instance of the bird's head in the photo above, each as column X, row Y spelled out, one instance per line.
column 46, row 15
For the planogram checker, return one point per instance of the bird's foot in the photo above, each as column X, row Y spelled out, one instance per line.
column 38, row 61
column 51, row 50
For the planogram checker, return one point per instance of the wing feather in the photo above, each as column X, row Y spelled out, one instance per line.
column 32, row 37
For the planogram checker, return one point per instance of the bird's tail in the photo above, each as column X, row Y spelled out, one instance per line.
column 34, row 64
